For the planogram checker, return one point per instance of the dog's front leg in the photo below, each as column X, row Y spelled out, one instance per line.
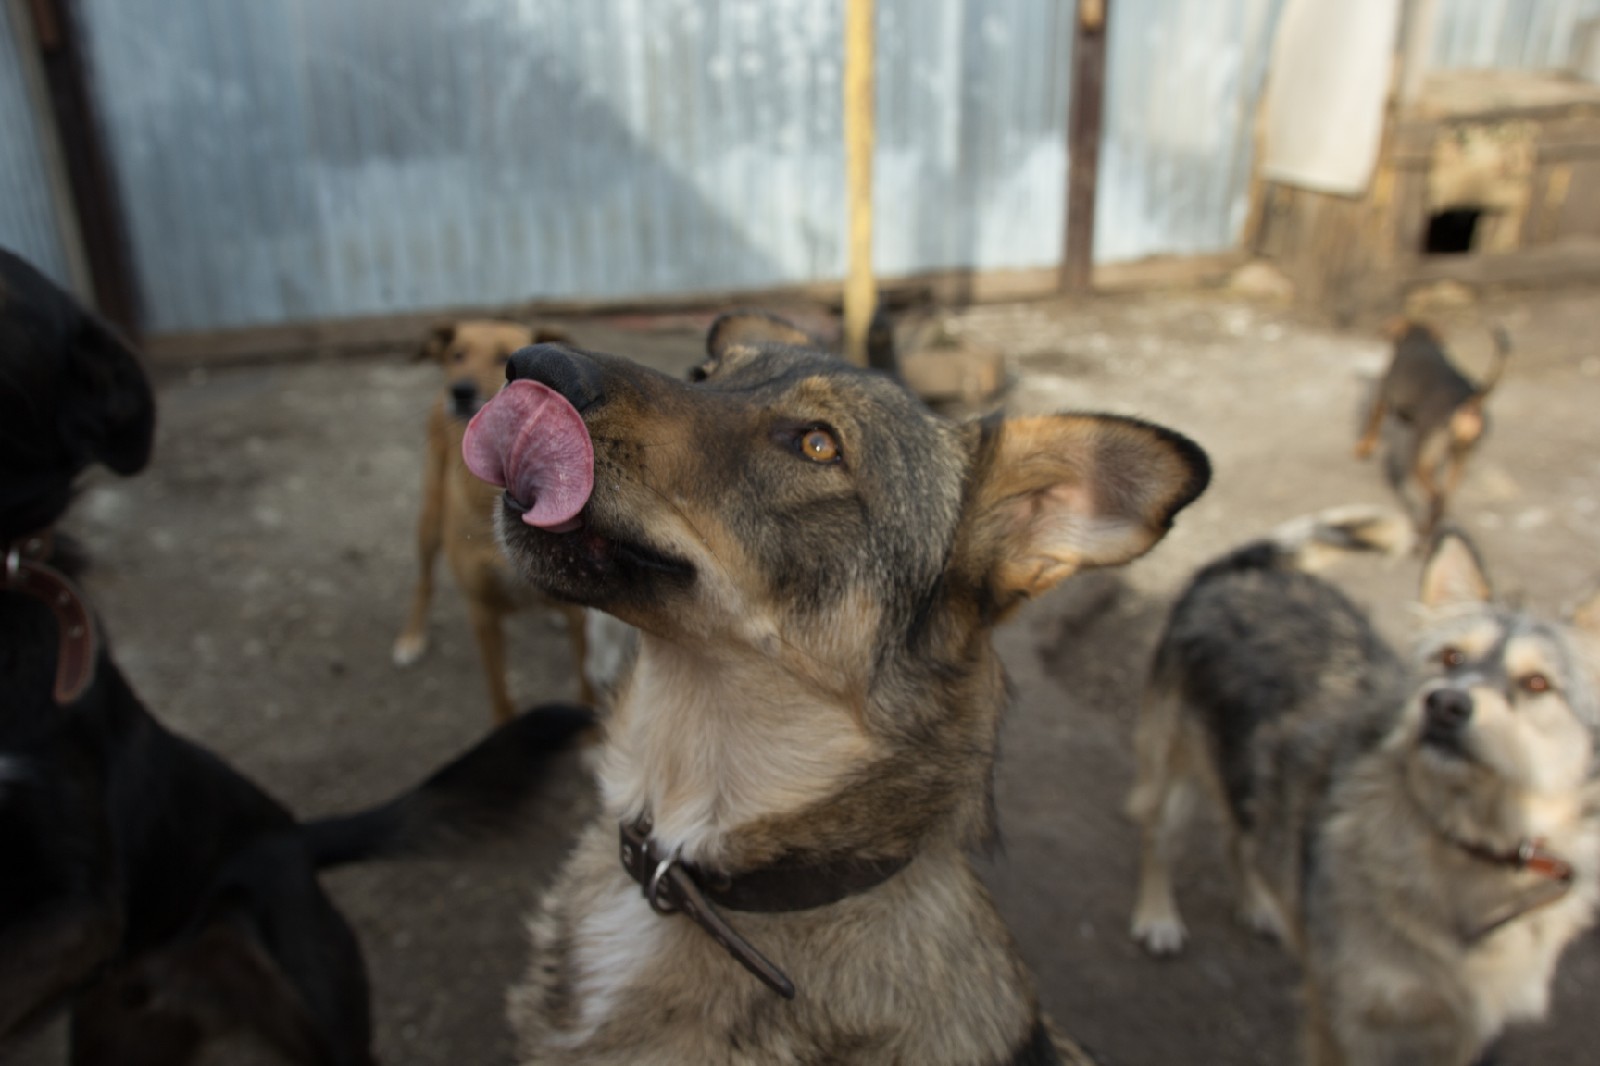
column 412, row 642
column 1407, row 1026
column 44, row 962
column 487, row 626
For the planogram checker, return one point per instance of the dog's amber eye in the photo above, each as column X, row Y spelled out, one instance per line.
column 818, row 445
column 1451, row 657
column 1535, row 683
column 458, row 356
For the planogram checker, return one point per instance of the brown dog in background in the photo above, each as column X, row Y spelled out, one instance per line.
column 458, row 509
column 1430, row 416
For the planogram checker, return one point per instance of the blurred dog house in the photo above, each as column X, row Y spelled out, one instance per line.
column 1436, row 140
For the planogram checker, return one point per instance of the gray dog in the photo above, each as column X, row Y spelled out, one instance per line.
column 1424, row 836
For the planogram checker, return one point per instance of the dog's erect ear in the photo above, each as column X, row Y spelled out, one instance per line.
column 755, row 327
column 739, row 332
column 108, row 409
column 550, row 335
column 1058, row 493
column 1453, row 575
column 435, row 341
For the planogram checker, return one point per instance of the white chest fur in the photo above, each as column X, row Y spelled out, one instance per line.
column 706, row 746
column 616, row 938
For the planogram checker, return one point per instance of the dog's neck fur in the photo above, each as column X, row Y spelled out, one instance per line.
column 1498, row 820
column 705, row 743
column 738, row 762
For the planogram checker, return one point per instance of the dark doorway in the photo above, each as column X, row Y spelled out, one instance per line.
column 1451, row 231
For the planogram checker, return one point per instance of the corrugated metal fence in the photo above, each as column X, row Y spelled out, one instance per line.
column 291, row 160
column 28, row 222
column 1514, row 34
column 297, row 160
column 1182, row 81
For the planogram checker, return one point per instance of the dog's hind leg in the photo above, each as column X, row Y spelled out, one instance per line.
column 487, row 627
column 1258, row 910
column 1374, row 422
column 412, row 642
column 1159, row 802
column 1444, row 489
column 578, row 636
column 1403, row 446
column 1434, row 490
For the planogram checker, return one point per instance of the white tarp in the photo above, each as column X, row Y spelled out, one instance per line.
column 1331, row 65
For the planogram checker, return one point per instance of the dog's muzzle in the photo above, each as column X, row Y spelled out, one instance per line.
column 1445, row 714
column 464, row 399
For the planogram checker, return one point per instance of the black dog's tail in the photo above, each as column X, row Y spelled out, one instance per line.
column 477, row 794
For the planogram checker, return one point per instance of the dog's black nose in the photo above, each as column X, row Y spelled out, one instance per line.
column 464, row 394
column 574, row 375
column 1447, row 708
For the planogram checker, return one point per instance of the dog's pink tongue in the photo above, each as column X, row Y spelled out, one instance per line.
column 531, row 442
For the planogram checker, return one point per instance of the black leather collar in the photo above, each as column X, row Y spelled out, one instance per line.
column 672, row 885
column 1530, row 856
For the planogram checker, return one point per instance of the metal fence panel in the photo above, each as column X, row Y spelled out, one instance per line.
column 1183, row 79
column 27, row 210
column 1508, row 34
column 298, row 159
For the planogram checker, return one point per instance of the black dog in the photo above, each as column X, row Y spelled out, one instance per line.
column 147, row 887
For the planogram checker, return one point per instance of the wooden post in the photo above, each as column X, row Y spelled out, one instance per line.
column 1419, row 22
column 860, row 291
column 1083, row 143
column 88, row 163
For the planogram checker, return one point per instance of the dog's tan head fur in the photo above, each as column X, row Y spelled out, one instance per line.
column 473, row 354
column 1501, row 735
column 1397, row 327
column 816, row 561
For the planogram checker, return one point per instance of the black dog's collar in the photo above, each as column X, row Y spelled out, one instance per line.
column 78, row 646
column 673, row 885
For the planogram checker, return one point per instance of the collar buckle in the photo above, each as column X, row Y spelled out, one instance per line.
column 670, row 887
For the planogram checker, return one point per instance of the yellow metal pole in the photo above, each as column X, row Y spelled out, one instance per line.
column 860, row 291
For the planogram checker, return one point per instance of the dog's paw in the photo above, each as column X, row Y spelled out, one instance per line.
column 1160, row 936
column 409, row 648
column 1261, row 918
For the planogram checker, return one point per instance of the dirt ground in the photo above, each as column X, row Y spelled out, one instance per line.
column 254, row 579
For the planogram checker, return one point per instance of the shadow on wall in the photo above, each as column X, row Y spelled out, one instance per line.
column 306, row 161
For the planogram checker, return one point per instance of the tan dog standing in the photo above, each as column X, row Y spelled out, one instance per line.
column 458, row 509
